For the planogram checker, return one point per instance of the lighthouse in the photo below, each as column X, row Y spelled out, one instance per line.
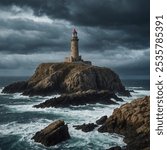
column 74, row 50
column 74, row 47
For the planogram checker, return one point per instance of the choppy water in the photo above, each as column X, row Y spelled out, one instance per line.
column 19, row 121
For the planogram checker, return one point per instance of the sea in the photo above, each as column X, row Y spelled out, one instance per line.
column 19, row 121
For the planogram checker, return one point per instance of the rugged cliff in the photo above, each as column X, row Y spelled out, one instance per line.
column 133, row 121
column 52, row 78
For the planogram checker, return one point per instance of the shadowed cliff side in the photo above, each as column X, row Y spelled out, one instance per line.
column 53, row 78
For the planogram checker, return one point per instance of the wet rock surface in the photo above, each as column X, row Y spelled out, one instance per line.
column 133, row 121
column 101, row 120
column 86, row 127
column 53, row 134
column 79, row 98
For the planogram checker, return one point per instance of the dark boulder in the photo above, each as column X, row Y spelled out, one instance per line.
column 53, row 134
column 85, row 127
column 101, row 120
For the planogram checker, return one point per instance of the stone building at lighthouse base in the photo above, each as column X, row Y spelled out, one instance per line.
column 74, row 54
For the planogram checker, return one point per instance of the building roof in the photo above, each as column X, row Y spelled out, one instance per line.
column 74, row 31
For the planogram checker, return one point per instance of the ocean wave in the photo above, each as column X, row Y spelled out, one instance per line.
column 19, row 96
column 86, row 114
column 134, row 88
column 140, row 93
column 1, row 89
column 78, row 138
column 104, row 140
column 28, row 129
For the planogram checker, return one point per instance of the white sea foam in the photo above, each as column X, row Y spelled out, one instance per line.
column 140, row 93
column 101, row 139
column 19, row 96
column 134, row 88
column 1, row 89
column 28, row 129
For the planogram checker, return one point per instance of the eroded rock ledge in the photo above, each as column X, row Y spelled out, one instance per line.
column 53, row 78
column 133, row 121
column 80, row 98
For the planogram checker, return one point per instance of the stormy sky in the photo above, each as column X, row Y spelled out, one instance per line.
column 112, row 33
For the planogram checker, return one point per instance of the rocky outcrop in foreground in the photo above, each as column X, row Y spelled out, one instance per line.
column 53, row 78
column 80, row 98
column 133, row 121
column 53, row 134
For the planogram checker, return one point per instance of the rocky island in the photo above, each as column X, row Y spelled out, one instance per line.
column 79, row 82
column 56, row 78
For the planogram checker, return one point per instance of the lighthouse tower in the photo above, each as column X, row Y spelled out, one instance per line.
column 74, row 52
column 74, row 47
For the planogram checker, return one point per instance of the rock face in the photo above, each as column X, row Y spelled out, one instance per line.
column 53, row 134
column 133, row 121
column 102, row 120
column 16, row 87
column 53, row 78
column 79, row 98
column 86, row 127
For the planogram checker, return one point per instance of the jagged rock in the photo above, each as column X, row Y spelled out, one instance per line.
column 79, row 98
column 133, row 121
column 86, row 127
column 101, row 120
column 115, row 148
column 16, row 87
column 53, row 78
column 53, row 134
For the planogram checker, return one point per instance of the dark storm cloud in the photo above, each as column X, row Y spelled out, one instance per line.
column 117, row 26
column 102, row 39
column 91, row 13
column 27, row 36
column 129, row 16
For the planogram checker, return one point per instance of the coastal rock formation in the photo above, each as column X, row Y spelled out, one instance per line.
column 101, row 120
column 133, row 121
column 53, row 78
column 53, row 134
column 79, row 98
column 16, row 87
column 86, row 127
